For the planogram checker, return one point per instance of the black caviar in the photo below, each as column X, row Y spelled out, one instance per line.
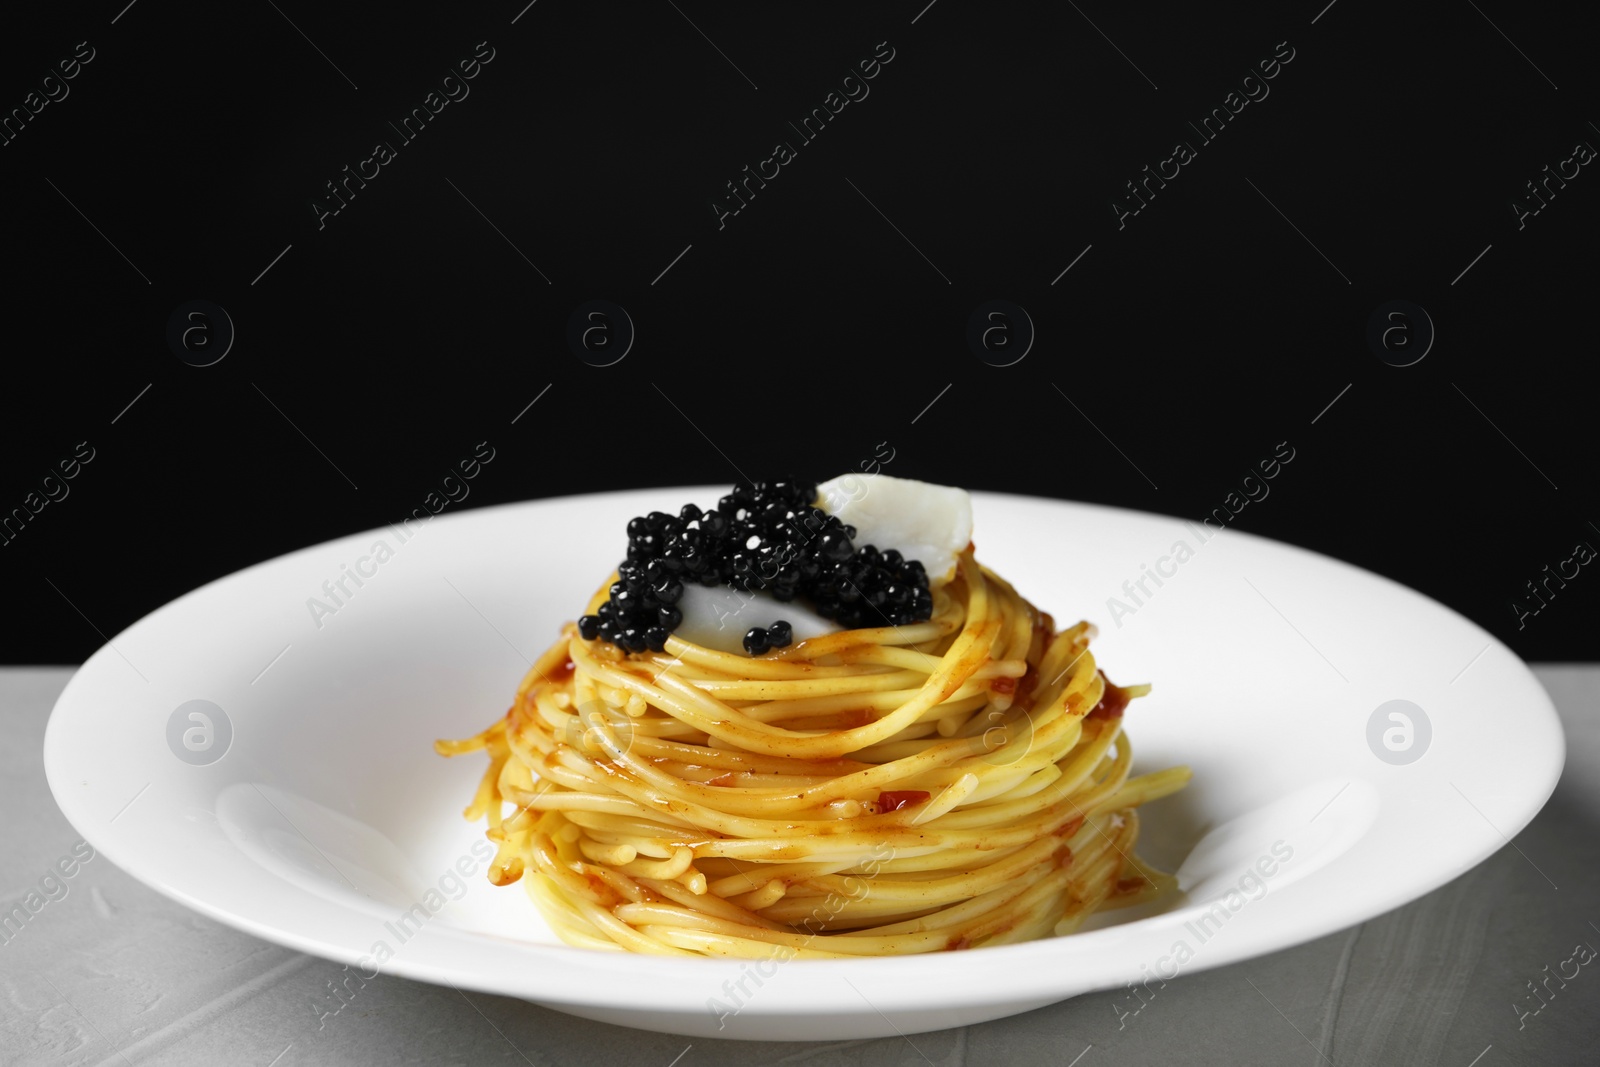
column 769, row 536
column 759, row 639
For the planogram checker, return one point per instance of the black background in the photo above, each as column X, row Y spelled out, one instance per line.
column 826, row 316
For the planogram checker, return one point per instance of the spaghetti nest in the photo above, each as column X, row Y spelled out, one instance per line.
column 942, row 785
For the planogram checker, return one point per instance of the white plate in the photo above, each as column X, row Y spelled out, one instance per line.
column 329, row 815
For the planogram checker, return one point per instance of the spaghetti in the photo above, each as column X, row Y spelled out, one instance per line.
column 947, row 784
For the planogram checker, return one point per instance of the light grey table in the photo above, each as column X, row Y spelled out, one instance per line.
column 114, row 973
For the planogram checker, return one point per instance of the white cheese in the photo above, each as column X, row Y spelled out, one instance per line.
column 928, row 523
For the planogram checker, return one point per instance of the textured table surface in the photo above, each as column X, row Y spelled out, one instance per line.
column 114, row 973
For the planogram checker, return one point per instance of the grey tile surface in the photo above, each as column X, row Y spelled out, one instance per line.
column 113, row 973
